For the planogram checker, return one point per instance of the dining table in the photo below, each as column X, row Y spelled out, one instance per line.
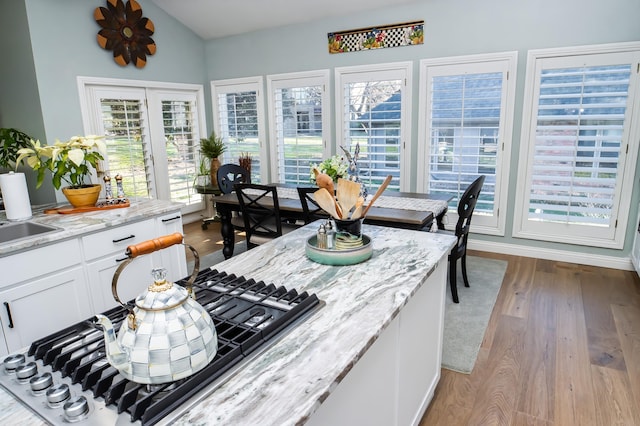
column 406, row 210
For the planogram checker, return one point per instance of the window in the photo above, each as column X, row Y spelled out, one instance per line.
column 240, row 121
column 466, row 109
column 152, row 136
column 580, row 144
column 298, row 113
column 372, row 113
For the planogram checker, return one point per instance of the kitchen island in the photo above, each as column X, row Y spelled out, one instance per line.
column 370, row 355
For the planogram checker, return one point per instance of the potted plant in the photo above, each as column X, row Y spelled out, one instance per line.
column 212, row 148
column 12, row 140
column 203, row 178
column 70, row 162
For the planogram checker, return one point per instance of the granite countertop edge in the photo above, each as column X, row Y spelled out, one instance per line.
column 78, row 224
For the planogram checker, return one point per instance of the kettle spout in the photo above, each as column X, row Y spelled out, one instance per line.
column 117, row 357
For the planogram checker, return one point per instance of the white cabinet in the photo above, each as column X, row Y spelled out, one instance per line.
column 394, row 381
column 635, row 249
column 48, row 288
column 45, row 292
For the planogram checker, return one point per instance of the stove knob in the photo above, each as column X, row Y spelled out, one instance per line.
column 12, row 362
column 58, row 393
column 26, row 371
column 41, row 382
column 75, row 408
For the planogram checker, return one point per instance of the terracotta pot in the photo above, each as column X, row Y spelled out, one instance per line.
column 215, row 165
column 84, row 196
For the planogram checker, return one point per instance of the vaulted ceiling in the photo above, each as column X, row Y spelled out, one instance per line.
column 220, row 18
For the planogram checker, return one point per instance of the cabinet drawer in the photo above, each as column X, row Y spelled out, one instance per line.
column 117, row 239
column 41, row 261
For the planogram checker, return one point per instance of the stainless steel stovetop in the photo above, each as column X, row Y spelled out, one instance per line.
column 65, row 378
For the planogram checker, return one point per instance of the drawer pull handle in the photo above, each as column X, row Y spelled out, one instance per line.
column 171, row 219
column 124, row 239
column 6, row 305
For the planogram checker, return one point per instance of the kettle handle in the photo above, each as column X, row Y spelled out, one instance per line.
column 147, row 247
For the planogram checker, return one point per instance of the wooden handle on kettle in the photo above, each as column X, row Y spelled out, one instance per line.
column 150, row 246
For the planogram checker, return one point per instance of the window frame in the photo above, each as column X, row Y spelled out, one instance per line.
column 507, row 63
column 293, row 80
column 245, row 84
column 613, row 237
column 384, row 71
column 152, row 91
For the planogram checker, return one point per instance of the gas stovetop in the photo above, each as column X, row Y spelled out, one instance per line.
column 65, row 377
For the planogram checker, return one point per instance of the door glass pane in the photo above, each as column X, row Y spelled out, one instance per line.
column 578, row 138
column 299, row 132
column 465, row 126
column 127, row 154
column 373, row 118
column 238, row 117
column 182, row 145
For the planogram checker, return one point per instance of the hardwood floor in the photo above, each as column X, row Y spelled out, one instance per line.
column 562, row 348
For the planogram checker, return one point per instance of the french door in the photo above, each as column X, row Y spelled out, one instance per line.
column 152, row 136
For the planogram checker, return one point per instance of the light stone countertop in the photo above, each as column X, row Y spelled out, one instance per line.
column 289, row 381
column 74, row 225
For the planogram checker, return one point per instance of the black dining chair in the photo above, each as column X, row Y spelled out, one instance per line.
column 228, row 175
column 261, row 213
column 311, row 210
column 466, row 206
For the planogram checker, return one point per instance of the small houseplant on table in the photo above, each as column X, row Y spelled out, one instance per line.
column 212, row 148
column 70, row 162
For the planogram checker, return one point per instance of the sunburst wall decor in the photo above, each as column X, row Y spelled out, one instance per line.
column 126, row 32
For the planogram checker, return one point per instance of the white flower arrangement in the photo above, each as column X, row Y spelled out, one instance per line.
column 336, row 167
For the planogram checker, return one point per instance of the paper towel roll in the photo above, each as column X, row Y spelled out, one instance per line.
column 15, row 196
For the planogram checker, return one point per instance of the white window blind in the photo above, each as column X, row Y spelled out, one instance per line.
column 373, row 120
column 579, row 136
column 299, row 124
column 579, row 129
column 182, row 145
column 239, row 124
column 124, row 125
column 467, row 105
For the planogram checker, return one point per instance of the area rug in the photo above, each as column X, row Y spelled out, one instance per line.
column 465, row 322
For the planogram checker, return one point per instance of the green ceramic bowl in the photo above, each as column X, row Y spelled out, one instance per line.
column 339, row 257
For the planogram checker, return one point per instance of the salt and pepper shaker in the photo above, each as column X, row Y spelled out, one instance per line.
column 108, row 193
column 331, row 234
column 120, row 188
column 322, row 237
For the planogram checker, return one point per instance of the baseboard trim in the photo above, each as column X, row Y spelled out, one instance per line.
column 623, row 263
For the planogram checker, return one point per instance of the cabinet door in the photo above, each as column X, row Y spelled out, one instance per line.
column 133, row 280
column 174, row 258
column 41, row 307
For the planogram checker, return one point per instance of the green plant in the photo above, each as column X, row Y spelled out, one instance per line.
column 67, row 161
column 12, row 140
column 203, row 167
column 212, row 147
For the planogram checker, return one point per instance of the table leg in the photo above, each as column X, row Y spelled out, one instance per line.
column 226, row 230
column 439, row 219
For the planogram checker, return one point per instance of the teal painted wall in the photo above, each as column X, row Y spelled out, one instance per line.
column 46, row 44
column 51, row 43
column 452, row 28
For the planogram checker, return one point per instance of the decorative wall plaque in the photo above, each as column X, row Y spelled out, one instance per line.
column 126, row 32
column 395, row 35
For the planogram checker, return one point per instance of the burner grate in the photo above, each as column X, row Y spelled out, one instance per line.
column 246, row 315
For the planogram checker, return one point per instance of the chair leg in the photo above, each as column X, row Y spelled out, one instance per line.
column 452, row 280
column 463, row 260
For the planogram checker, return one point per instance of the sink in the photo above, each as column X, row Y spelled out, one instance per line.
column 12, row 231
